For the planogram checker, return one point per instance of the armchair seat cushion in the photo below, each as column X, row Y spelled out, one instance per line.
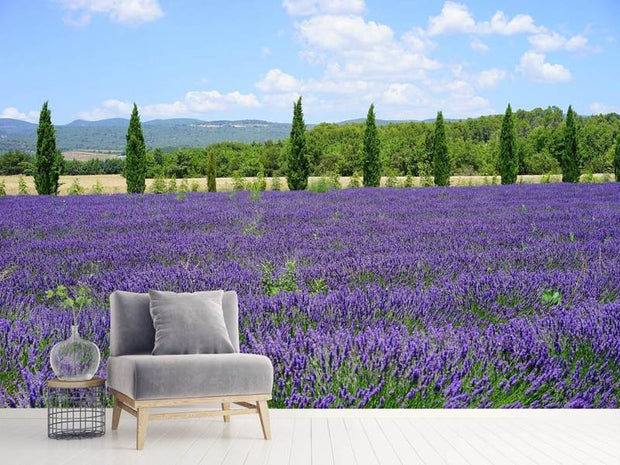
column 146, row 377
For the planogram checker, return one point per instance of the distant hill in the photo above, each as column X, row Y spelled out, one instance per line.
column 104, row 123
column 109, row 134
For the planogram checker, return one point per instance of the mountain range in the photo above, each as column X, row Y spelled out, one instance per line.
column 109, row 134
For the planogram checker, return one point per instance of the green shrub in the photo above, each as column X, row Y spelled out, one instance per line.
column 286, row 281
column 159, row 185
column 238, row 182
column 334, row 181
column 255, row 194
column 2, row 188
column 391, row 180
column 184, row 187
column 355, row 181
column 546, row 178
column 172, row 186
column 408, row 181
column 426, row 174
column 259, row 184
column 276, row 184
column 22, row 186
column 194, row 186
column 97, row 188
column 319, row 186
column 588, row 177
column 318, row 286
column 76, row 188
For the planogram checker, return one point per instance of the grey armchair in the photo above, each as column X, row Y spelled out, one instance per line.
column 140, row 381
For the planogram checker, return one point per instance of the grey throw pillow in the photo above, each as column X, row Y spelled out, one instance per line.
column 189, row 323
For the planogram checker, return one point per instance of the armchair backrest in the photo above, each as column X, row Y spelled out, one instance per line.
column 131, row 325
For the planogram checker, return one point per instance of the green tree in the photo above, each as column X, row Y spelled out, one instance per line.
column 158, row 156
column 135, row 155
column 370, row 165
column 15, row 162
column 617, row 158
column 298, row 165
column 48, row 160
column 211, row 173
column 441, row 158
column 571, row 162
column 508, row 155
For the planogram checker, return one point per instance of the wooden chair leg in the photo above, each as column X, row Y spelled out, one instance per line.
column 263, row 413
column 116, row 413
column 142, row 422
column 226, row 406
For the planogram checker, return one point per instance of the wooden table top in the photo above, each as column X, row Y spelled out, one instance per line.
column 58, row 383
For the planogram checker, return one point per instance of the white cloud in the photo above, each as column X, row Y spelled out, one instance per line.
column 110, row 108
column 417, row 41
column 276, row 81
column 551, row 41
column 364, row 61
column 313, row 7
column 14, row 113
column 603, row 108
column 534, row 67
column 403, row 94
column 454, row 18
column 131, row 12
column 490, row 78
column 478, row 46
column 194, row 103
column 351, row 47
column 332, row 32
column 500, row 25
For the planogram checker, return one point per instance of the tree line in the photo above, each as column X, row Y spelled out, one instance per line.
column 524, row 142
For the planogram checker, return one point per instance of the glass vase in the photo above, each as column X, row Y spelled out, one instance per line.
column 75, row 359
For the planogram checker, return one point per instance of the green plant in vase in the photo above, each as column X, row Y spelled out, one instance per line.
column 74, row 359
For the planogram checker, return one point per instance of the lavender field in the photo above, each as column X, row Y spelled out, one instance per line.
column 497, row 296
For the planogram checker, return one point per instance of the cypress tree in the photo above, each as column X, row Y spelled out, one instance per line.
column 571, row 162
column 211, row 187
column 617, row 158
column 371, row 166
column 508, row 155
column 298, row 165
column 135, row 155
column 441, row 159
column 48, row 161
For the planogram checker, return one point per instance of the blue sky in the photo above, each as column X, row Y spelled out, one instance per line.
column 240, row 59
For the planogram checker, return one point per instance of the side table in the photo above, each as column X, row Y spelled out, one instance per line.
column 76, row 409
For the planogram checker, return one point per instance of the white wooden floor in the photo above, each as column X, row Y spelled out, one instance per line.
column 338, row 437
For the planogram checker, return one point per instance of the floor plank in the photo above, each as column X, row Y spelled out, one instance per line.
column 282, row 438
column 321, row 443
column 348, row 437
column 341, row 444
column 441, row 445
column 402, row 447
column 362, row 450
column 301, row 447
column 379, row 442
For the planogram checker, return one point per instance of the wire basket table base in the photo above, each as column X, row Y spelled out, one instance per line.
column 76, row 410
